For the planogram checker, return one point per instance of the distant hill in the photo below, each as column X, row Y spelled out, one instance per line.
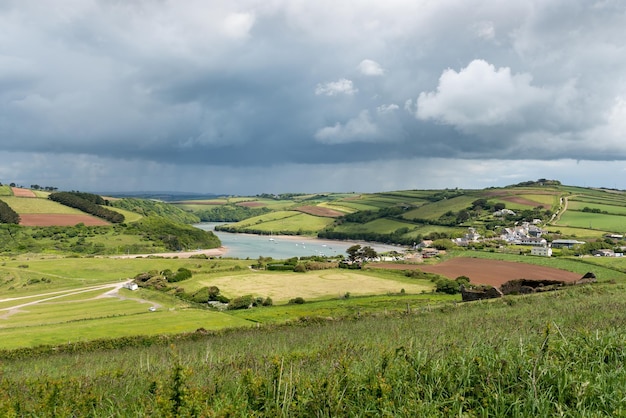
column 163, row 196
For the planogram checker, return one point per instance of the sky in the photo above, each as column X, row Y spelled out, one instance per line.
column 245, row 97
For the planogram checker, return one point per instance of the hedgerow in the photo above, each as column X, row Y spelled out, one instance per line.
column 86, row 202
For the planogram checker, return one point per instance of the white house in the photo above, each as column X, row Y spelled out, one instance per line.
column 544, row 251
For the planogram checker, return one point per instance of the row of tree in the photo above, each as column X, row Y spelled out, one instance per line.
column 88, row 203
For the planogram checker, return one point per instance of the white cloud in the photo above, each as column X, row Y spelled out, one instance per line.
column 359, row 129
column 334, row 88
column 371, row 68
column 480, row 95
column 387, row 108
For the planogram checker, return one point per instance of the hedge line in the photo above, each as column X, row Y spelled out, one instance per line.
column 7, row 214
column 85, row 202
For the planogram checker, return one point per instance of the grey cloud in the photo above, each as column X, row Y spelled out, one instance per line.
column 232, row 84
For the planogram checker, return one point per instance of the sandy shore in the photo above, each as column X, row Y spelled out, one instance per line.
column 212, row 252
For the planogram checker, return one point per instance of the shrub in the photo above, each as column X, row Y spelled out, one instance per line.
column 296, row 301
column 181, row 274
column 448, row 286
column 268, row 301
column 300, row 268
column 241, row 302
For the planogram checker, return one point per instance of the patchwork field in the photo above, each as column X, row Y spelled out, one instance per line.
column 19, row 192
column 496, row 272
column 313, row 284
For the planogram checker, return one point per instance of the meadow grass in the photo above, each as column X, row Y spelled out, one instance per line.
column 575, row 232
column 117, row 325
column 5, row 190
column 28, row 205
column 319, row 284
column 597, row 221
column 436, row 209
column 128, row 215
column 616, row 209
column 380, row 226
column 551, row 354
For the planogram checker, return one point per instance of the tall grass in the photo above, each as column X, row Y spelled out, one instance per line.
column 560, row 353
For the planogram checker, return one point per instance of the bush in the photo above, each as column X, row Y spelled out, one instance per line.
column 296, row 301
column 448, row 286
column 181, row 274
column 300, row 268
column 241, row 302
column 268, row 301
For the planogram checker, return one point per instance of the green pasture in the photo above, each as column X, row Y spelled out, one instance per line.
column 334, row 206
column 614, row 263
column 28, row 205
column 380, row 226
column 611, row 209
column 265, row 218
column 312, row 285
column 346, row 307
column 5, row 190
column 356, row 204
column 580, row 233
column 161, row 322
column 284, row 222
column 100, row 270
column 128, row 215
column 434, row 210
column 589, row 200
column 547, row 201
column 597, row 221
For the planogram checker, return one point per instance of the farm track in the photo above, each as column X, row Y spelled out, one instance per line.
column 111, row 291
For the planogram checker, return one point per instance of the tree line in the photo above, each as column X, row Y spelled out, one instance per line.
column 88, row 203
column 7, row 214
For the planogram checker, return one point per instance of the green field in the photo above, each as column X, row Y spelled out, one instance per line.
column 597, row 221
column 610, row 209
column 28, row 205
column 552, row 354
column 434, row 210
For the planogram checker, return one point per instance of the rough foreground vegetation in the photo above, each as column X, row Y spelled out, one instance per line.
column 560, row 353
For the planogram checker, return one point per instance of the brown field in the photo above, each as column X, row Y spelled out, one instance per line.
column 491, row 272
column 521, row 201
column 19, row 192
column 251, row 204
column 319, row 211
column 58, row 219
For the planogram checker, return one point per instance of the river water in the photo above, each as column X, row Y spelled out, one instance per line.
column 281, row 247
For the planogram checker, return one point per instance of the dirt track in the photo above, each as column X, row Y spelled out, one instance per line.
column 491, row 272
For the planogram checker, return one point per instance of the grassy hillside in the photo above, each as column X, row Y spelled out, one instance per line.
column 542, row 355
column 404, row 217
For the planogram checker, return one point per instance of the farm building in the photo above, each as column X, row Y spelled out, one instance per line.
column 130, row 286
column 566, row 243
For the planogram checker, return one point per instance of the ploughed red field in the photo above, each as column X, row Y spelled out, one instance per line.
column 491, row 272
column 19, row 192
column 57, row 219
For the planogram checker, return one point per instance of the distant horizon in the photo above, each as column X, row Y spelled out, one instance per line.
column 174, row 193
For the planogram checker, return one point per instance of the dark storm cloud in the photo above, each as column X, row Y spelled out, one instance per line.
column 240, row 83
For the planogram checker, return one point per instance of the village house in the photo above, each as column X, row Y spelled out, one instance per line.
column 543, row 251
